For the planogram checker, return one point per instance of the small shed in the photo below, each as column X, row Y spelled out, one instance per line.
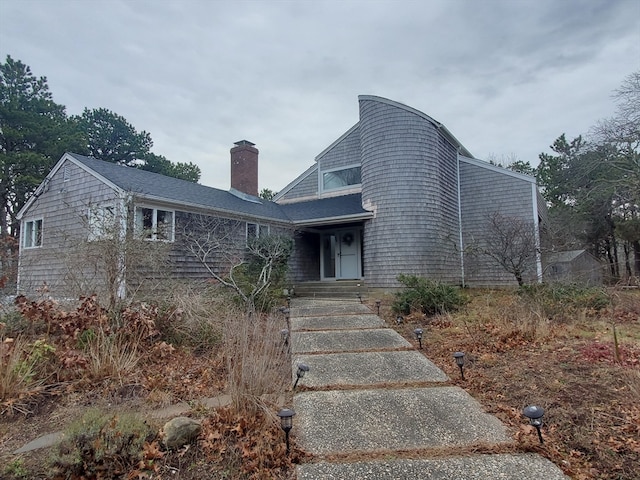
column 573, row 266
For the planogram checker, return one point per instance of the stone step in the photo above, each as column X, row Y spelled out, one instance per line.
column 337, row 322
column 522, row 466
column 319, row 307
column 361, row 421
column 347, row 341
column 367, row 368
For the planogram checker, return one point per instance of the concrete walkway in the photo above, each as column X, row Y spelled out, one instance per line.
column 369, row 392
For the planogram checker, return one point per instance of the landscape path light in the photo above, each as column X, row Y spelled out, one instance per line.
column 284, row 333
column 378, row 303
column 399, row 319
column 302, row 369
column 418, row 332
column 286, row 423
column 459, row 357
column 534, row 414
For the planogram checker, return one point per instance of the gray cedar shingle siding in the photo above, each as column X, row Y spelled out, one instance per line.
column 404, row 162
column 64, row 207
column 485, row 190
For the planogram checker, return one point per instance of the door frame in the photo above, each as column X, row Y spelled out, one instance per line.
column 338, row 233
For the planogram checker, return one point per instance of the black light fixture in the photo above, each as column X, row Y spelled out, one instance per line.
column 286, row 423
column 287, row 316
column 418, row 332
column 459, row 357
column 378, row 303
column 534, row 414
column 399, row 319
column 302, row 369
column 284, row 333
column 289, row 300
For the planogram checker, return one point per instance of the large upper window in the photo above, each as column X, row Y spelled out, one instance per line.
column 342, row 178
column 155, row 224
column 32, row 235
column 255, row 230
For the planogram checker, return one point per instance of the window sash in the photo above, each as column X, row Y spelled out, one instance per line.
column 155, row 223
column 341, row 178
column 32, row 236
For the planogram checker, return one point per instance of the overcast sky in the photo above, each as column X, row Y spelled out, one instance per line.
column 505, row 77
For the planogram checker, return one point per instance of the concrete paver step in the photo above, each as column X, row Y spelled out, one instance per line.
column 524, row 466
column 347, row 341
column 333, row 322
column 368, row 368
column 306, row 308
column 342, row 421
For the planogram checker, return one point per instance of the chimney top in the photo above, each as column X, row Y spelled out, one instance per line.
column 243, row 143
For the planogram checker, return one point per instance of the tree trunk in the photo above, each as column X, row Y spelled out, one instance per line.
column 636, row 256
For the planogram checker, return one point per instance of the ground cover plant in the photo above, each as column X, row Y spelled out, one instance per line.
column 571, row 350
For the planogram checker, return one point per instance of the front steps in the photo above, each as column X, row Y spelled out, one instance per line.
column 343, row 289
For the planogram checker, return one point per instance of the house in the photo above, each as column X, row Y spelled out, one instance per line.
column 396, row 193
column 575, row 266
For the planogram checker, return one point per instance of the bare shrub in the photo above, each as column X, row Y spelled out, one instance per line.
column 257, row 362
column 192, row 316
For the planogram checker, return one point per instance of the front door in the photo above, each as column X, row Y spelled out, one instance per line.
column 341, row 255
column 348, row 264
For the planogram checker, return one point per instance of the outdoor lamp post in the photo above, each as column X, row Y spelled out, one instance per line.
column 534, row 414
column 459, row 356
column 378, row 303
column 302, row 369
column 284, row 333
column 286, row 423
column 287, row 313
column 418, row 332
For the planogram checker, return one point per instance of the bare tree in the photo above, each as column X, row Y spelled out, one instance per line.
column 512, row 244
column 245, row 265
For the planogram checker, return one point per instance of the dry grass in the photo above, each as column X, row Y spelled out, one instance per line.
column 22, row 364
column 112, row 356
column 257, row 361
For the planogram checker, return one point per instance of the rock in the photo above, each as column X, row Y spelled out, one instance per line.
column 180, row 431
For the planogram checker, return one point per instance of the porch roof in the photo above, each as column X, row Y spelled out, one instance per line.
column 327, row 211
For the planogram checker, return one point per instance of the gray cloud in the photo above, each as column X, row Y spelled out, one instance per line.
column 506, row 77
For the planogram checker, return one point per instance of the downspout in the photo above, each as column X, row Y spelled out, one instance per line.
column 461, row 244
column 536, row 231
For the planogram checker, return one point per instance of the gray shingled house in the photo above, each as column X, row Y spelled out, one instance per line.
column 397, row 193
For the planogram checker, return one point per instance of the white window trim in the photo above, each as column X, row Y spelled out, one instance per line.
column 321, row 173
column 154, row 226
column 33, row 233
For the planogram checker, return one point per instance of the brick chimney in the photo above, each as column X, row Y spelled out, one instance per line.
column 244, row 167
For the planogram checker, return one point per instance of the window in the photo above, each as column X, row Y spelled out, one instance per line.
column 102, row 222
column 66, row 173
column 342, row 178
column 32, row 236
column 255, row 230
column 155, row 224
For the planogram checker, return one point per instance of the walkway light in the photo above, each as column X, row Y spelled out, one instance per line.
column 459, row 357
column 378, row 303
column 302, row 369
column 284, row 333
column 399, row 319
column 534, row 414
column 418, row 332
column 286, row 423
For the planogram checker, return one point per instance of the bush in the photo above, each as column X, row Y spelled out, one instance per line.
column 100, row 445
column 426, row 296
column 556, row 301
